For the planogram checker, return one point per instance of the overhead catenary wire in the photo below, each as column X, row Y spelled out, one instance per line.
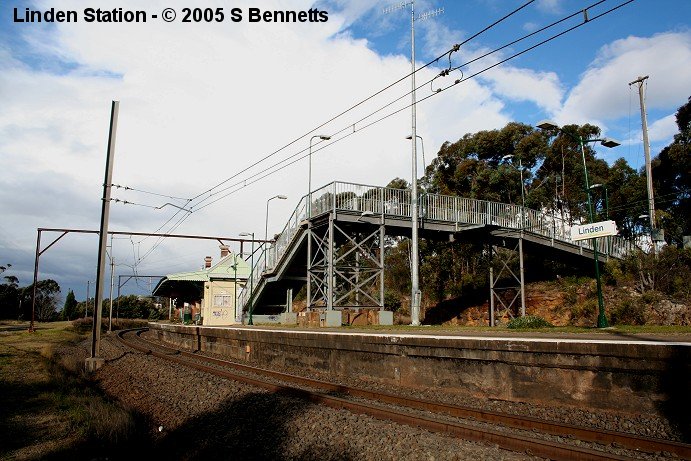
column 118, row 186
column 352, row 126
column 265, row 173
column 354, row 106
column 275, row 168
column 453, row 49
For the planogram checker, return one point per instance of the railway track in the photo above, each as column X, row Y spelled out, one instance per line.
column 510, row 432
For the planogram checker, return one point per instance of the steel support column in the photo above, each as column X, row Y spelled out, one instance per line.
column 330, row 266
column 345, row 267
column 497, row 293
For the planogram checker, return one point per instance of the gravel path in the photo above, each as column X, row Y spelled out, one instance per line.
column 193, row 415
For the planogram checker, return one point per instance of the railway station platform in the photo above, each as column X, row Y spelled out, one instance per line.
column 638, row 374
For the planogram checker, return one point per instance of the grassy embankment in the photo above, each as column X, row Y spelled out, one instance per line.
column 50, row 409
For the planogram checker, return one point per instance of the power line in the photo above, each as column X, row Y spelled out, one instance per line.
column 390, row 103
column 268, row 171
column 274, row 168
column 448, row 52
column 118, row 186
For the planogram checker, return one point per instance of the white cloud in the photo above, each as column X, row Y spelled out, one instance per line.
column 199, row 103
column 603, row 92
column 664, row 129
column 540, row 88
column 550, row 6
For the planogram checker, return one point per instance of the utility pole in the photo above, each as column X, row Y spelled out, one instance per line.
column 112, row 276
column 94, row 362
column 86, row 306
column 646, row 148
column 416, row 294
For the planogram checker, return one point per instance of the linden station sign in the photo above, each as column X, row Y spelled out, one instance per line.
column 594, row 230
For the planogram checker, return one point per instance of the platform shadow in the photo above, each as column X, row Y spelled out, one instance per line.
column 259, row 426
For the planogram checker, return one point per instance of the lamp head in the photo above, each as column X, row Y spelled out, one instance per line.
column 245, row 234
column 281, row 197
column 609, row 142
column 506, row 157
column 596, row 186
column 324, row 137
column 547, row 125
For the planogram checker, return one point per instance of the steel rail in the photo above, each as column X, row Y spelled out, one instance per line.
column 527, row 423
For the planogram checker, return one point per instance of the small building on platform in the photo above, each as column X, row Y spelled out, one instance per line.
column 207, row 296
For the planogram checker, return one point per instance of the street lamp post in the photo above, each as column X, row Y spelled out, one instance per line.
column 251, row 308
column 416, row 294
column 309, row 173
column 266, row 227
column 422, row 143
column 607, row 142
column 520, row 169
column 602, row 186
column 520, row 238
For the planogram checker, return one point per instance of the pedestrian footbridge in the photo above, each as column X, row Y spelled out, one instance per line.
column 334, row 242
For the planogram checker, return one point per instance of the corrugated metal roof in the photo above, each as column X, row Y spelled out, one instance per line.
column 224, row 269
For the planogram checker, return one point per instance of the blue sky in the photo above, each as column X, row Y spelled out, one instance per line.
column 200, row 102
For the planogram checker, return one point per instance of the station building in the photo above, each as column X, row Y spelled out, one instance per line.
column 207, row 296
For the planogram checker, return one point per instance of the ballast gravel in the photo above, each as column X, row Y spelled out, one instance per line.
column 193, row 415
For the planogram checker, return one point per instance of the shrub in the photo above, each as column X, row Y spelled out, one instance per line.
column 628, row 312
column 392, row 301
column 529, row 322
column 584, row 311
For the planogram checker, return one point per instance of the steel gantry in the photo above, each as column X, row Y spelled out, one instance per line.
column 501, row 292
column 337, row 249
column 345, row 265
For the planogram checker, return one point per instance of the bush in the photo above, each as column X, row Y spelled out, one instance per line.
column 628, row 312
column 528, row 322
column 584, row 311
column 84, row 325
column 392, row 301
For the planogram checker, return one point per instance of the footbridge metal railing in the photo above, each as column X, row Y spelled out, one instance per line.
column 392, row 203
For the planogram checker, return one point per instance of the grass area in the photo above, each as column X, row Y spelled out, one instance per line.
column 50, row 409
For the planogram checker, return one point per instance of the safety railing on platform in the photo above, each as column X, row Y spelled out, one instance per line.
column 432, row 207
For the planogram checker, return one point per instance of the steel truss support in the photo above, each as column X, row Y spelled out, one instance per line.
column 501, row 291
column 344, row 269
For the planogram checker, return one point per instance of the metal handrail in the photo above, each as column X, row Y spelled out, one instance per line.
column 444, row 208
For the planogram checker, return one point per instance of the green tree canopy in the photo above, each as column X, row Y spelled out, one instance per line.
column 69, row 310
column 671, row 171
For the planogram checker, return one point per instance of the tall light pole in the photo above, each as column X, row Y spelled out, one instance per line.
column 520, row 170
column 250, row 309
column 602, row 186
column 520, row 238
column 309, row 173
column 607, row 142
column 422, row 143
column 238, row 318
column 266, row 227
column 414, row 257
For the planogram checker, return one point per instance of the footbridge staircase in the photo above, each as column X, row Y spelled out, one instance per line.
column 334, row 243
